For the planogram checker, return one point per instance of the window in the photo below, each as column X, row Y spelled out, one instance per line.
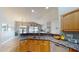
column 36, row 29
column 4, row 27
column 33, row 29
column 23, row 29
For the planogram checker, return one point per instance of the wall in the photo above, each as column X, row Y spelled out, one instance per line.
column 63, row 10
column 7, row 35
column 41, row 16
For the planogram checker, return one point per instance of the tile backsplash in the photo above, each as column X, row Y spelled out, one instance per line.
column 72, row 36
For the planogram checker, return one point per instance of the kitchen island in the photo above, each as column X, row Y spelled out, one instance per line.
column 68, row 45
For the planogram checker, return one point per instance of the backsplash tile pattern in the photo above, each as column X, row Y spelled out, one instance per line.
column 72, row 36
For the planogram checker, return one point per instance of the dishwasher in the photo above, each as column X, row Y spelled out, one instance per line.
column 56, row 47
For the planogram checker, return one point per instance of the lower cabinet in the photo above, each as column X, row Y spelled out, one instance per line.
column 32, row 45
column 72, row 50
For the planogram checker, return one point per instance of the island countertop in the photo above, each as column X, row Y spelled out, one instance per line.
column 50, row 37
column 39, row 34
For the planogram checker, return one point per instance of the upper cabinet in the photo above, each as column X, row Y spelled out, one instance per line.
column 70, row 21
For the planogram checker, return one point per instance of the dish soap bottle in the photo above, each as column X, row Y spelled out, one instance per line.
column 62, row 36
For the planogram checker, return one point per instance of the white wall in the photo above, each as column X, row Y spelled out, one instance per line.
column 63, row 10
column 5, row 36
column 41, row 16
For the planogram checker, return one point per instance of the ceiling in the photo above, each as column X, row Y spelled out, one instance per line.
column 26, row 12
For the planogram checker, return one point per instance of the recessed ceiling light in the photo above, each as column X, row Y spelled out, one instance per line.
column 33, row 10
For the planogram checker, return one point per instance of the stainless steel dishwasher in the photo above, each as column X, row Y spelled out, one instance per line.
column 56, row 47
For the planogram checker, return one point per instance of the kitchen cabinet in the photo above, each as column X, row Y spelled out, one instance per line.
column 76, row 21
column 32, row 45
column 23, row 46
column 70, row 21
column 72, row 50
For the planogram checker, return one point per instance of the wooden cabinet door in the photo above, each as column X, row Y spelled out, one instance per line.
column 45, row 47
column 24, row 46
column 72, row 50
column 68, row 22
column 32, row 46
column 35, row 45
column 76, row 21
column 71, row 22
column 39, row 46
column 65, row 23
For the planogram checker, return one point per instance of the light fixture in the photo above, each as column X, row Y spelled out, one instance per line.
column 33, row 11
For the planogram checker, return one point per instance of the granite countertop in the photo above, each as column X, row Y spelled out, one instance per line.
column 67, row 44
column 62, row 42
column 39, row 34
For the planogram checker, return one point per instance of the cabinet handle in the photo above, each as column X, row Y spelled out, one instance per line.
column 59, row 45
